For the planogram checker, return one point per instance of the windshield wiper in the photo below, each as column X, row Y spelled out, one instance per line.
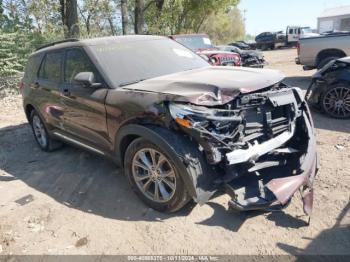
column 131, row 82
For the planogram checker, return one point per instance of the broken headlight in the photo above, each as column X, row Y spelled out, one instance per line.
column 218, row 125
column 186, row 111
column 178, row 110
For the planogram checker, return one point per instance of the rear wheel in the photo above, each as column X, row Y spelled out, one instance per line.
column 336, row 101
column 41, row 135
column 154, row 177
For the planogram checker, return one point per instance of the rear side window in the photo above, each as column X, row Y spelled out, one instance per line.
column 32, row 67
column 51, row 66
column 76, row 62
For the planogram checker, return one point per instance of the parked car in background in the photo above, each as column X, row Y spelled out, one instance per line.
column 330, row 88
column 180, row 128
column 249, row 58
column 241, row 45
column 201, row 44
column 316, row 52
column 269, row 40
column 251, row 43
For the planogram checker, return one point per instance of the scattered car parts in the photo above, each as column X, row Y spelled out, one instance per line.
column 201, row 44
column 250, row 58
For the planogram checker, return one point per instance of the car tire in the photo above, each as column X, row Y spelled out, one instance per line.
column 335, row 101
column 146, row 181
column 325, row 61
column 42, row 137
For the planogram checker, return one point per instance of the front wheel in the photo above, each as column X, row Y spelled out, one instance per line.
column 335, row 101
column 154, row 177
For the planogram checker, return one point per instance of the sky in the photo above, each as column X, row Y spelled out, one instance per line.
column 276, row 15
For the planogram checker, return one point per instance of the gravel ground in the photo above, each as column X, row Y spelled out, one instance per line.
column 73, row 202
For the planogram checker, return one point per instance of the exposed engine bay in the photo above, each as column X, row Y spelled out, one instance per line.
column 260, row 144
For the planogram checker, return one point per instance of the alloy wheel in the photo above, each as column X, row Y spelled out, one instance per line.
column 336, row 102
column 39, row 131
column 154, row 175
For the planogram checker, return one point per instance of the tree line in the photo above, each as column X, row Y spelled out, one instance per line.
column 26, row 24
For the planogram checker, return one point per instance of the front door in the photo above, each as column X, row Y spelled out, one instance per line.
column 84, row 107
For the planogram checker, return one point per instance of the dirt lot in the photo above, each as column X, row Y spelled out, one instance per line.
column 73, row 202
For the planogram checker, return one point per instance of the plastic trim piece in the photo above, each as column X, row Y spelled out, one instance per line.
column 257, row 150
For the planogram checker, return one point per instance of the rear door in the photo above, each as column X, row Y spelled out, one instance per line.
column 47, row 89
column 84, row 107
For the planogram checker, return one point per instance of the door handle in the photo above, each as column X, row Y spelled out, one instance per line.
column 66, row 92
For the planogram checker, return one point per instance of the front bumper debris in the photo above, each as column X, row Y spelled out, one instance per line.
column 257, row 150
column 273, row 189
column 261, row 146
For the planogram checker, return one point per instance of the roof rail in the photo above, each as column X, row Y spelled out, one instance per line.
column 58, row 42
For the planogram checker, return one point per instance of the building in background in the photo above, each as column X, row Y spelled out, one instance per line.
column 334, row 19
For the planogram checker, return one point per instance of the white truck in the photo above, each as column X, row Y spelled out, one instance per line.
column 290, row 37
column 315, row 52
column 294, row 33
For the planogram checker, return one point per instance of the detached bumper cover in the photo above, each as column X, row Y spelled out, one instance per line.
column 285, row 187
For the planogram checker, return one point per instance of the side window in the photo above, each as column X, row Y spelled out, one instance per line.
column 32, row 67
column 76, row 62
column 290, row 31
column 51, row 66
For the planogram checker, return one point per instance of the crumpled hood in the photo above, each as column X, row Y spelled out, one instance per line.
column 214, row 85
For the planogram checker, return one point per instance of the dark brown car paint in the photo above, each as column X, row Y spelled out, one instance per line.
column 94, row 116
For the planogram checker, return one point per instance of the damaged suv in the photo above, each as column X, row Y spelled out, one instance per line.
column 180, row 128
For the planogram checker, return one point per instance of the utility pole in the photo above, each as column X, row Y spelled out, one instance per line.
column 244, row 16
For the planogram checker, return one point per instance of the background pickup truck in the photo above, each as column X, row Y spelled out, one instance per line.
column 315, row 52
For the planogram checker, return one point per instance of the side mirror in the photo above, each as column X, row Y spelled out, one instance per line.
column 86, row 79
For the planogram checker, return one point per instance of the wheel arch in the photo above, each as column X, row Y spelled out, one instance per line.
column 183, row 152
column 28, row 109
column 328, row 53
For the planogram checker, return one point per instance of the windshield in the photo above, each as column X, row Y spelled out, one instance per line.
column 195, row 42
column 134, row 61
column 306, row 30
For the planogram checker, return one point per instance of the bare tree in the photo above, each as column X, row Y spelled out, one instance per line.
column 111, row 25
column 125, row 17
column 69, row 13
column 88, row 14
column 139, row 16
